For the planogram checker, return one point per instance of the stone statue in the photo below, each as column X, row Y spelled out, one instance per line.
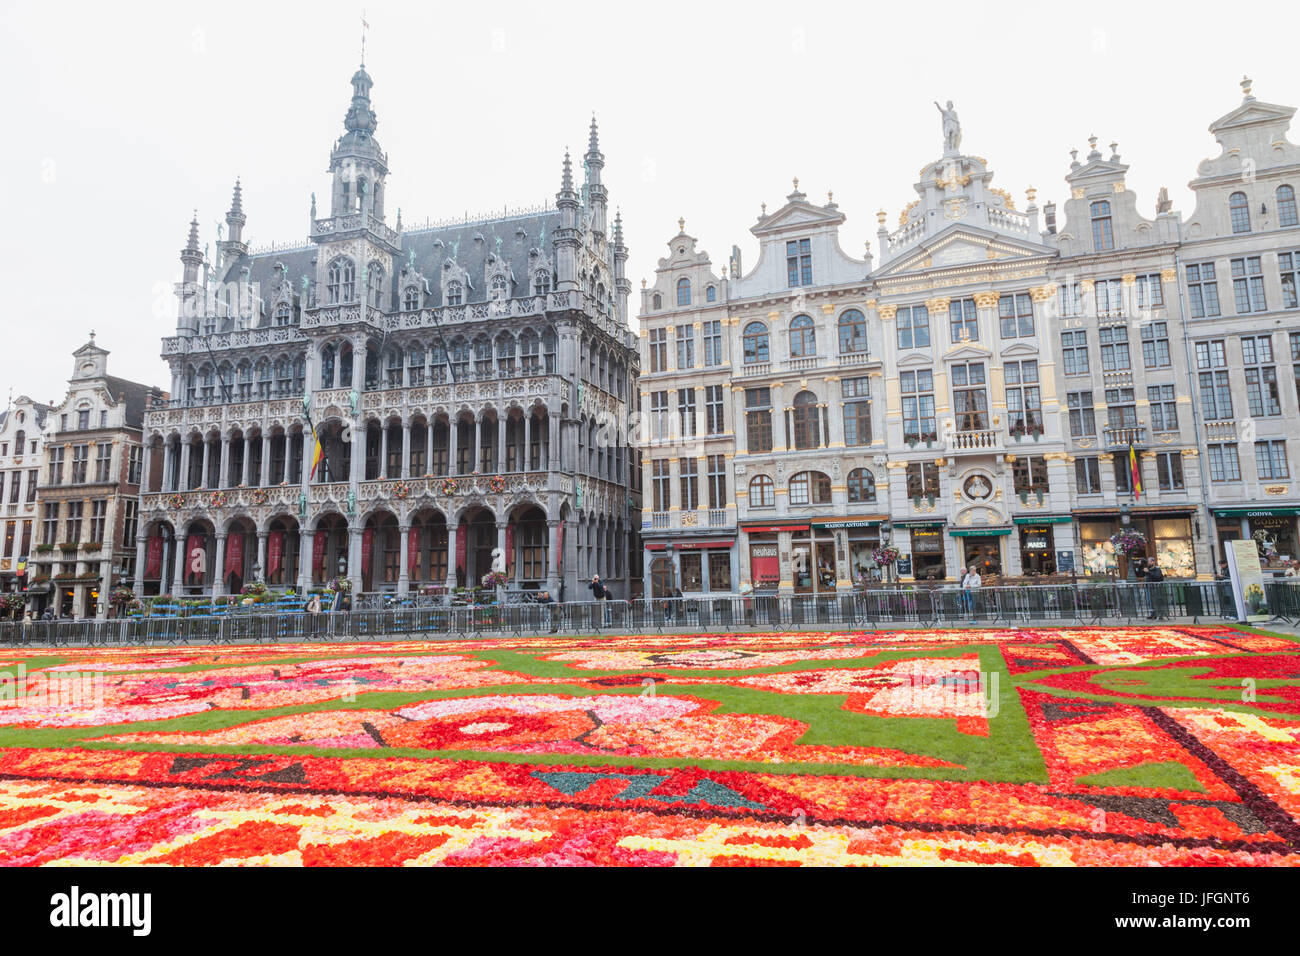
column 951, row 128
column 498, row 560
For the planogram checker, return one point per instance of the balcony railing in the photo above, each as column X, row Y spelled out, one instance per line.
column 1221, row 431
column 717, row 517
column 976, row 440
column 1123, row 436
column 756, row 368
column 855, row 358
column 659, row 520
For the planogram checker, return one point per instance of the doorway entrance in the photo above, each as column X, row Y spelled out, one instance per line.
column 984, row 554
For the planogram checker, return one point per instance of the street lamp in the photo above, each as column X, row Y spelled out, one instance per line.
column 886, row 535
column 1126, row 519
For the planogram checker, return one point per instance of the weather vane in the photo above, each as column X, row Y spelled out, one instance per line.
column 364, row 27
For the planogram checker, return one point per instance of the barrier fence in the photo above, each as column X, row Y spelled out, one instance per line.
column 990, row 606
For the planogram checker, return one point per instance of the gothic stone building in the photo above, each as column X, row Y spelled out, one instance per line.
column 469, row 383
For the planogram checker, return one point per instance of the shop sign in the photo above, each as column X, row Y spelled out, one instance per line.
column 904, row 564
column 760, row 529
column 1065, row 562
column 1035, row 544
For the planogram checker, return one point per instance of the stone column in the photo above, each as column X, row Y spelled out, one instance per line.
column 428, row 448
column 501, row 444
column 475, row 446
column 207, row 454
column 453, row 439
column 383, row 450
column 218, row 568
column 354, row 559
column 183, row 479
column 168, row 457
column 223, row 480
column 180, row 560
column 553, row 443
column 403, row 568
column 305, row 540
column 553, row 558
column 265, row 478
column 501, row 543
column 146, row 461
column 261, row 555
column 452, row 530
column 528, row 441
column 248, row 454
column 141, row 543
column 406, row 449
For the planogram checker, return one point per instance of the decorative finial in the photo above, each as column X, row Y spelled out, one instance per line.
column 1114, row 152
column 1074, row 155
column 830, row 197
column 364, row 27
column 681, row 224
column 1246, row 84
column 1031, row 194
column 764, row 209
column 92, row 335
column 881, row 216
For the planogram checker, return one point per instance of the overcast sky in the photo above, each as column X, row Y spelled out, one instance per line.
column 122, row 119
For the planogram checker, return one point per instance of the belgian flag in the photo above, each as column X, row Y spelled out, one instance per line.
column 318, row 455
column 1135, row 471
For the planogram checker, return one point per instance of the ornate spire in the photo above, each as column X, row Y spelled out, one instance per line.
column 618, row 227
column 593, row 139
column 360, row 117
column 566, row 180
column 192, row 245
column 236, row 204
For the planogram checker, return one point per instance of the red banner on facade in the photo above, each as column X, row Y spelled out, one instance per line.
column 510, row 548
column 318, row 555
column 274, row 552
column 195, row 556
column 413, row 553
column 367, row 544
column 462, row 541
column 234, row 556
column 153, row 564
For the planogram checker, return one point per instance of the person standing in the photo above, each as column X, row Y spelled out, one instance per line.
column 1156, row 590
column 970, row 585
column 600, row 593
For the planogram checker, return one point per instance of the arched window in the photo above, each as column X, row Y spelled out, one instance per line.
column 1103, row 236
column 657, row 302
column 410, row 299
column 327, row 367
column 762, row 492
column 375, row 284
column 541, row 282
column 803, row 337
column 244, row 376
column 506, row 352
column 853, row 332
column 1239, row 212
column 810, row 488
column 483, row 355
column 711, row 294
column 862, row 485
column 341, row 281
column 499, row 289
column 455, row 293
column 528, row 352
column 415, row 365
column 284, row 314
column 20, row 441
column 394, row 369
column 807, row 421
column 1286, row 213
column 755, row 340
column 683, row 291
column 283, row 376
column 264, row 379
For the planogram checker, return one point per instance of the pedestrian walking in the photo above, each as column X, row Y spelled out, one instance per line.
column 1156, row 591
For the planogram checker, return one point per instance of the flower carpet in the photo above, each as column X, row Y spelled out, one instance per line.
column 1063, row 746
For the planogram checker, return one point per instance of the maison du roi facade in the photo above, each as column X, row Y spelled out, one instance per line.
column 972, row 395
column 455, row 375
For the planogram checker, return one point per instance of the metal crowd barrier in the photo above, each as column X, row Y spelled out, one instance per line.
column 916, row 605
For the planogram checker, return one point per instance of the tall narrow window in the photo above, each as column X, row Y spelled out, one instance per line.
column 1202, row 290
column 1239, row 212
column 918, row 405
column 806, row 418
column 685, row 335
column 1261, row 375
column 755, row 342
column 1103, row 236
column 803, row 337
column 683, row 291
column 758, row 419
column 853, row 332
column 658, row 350
column 1286, row 211
column 798, row 262
column 969, row 397
column 1248, row 285
column 913, row 327
column 857, row 410
column 963, row 316
column 712, row 342
column 1015, row 316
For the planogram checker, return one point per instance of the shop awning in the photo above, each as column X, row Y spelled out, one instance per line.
column 846, row 525
column 978, row 532
column 1257, row 512
column 1139, row 511
column 1043, row 519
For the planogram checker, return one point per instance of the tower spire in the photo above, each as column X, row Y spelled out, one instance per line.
column 566, row 180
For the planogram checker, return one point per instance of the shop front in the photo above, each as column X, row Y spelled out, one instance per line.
column 1168, row 534
column 856, row 540
column 981, row 549
column 763, row 546
column 1272, row 529
column 694, row 567
column 926, row 543
column 1037, row 539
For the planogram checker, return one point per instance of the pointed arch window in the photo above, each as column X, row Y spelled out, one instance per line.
column 410, row 299
column 541, row 282
column 375, row 285
column 284, row 314
column 803, row 337
column 341, row 281
column 455, row 293
column 683, row 291
column 711, row 294
column 1286, row 211
column 1239, row 212
column 529, row 351
column 499, row 288
column 327, row 367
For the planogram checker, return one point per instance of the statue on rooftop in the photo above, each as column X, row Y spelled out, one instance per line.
column 951, row 128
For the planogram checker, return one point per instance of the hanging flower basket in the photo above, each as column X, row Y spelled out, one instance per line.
column 258, row 496
column 217, row 499
column 448, row 486
column 497, row 484
column 1128, row 542
column 402, row 489
column 885, row 555
column 495, row 579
